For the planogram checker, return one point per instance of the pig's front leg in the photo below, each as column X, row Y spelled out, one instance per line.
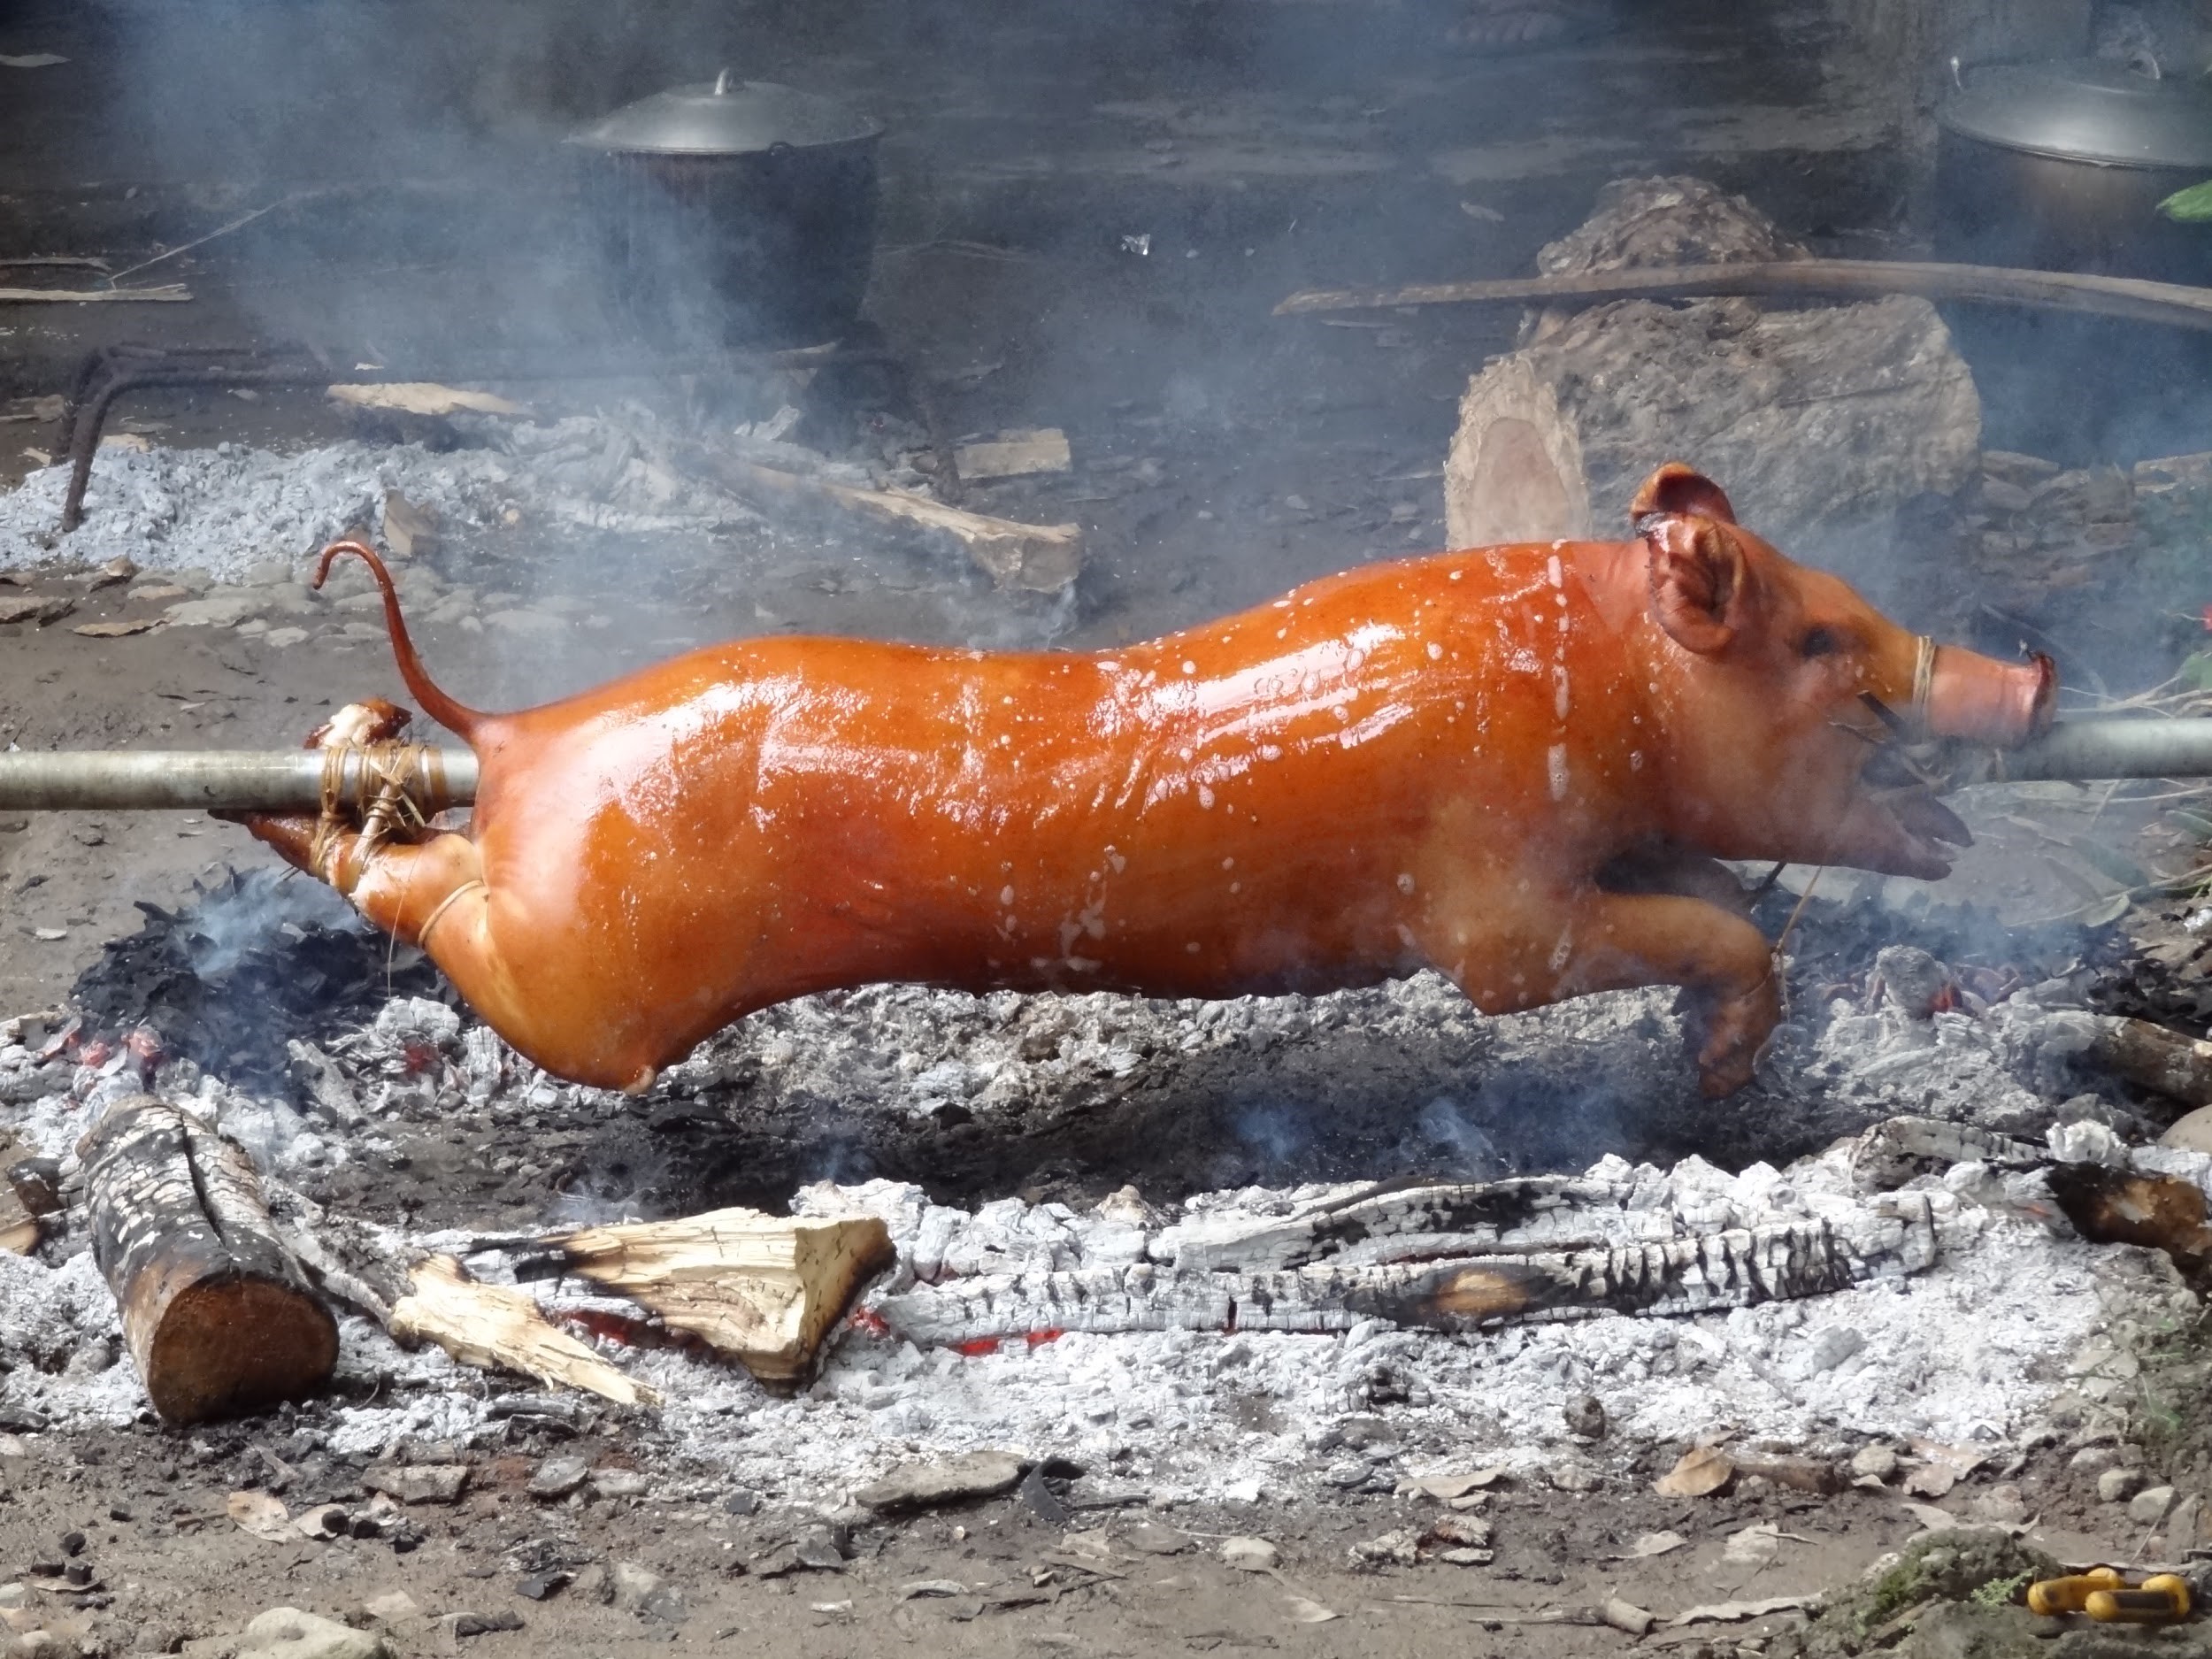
column 1517, row 949
column 1625, row 939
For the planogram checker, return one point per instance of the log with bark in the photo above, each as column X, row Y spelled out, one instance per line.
column 1827, row 421
column 217, row 1314
column 763, row 1289
column 2152, row 1056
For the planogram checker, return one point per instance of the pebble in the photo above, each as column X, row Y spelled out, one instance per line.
column 1877, row 1461
column 742, row 1500
column 618, row 1483
column 1250, row 1554
column 390, row 1607
column 557, row 1476
column 2148, row 1507
column 483, row 1623
column 2093, row 1460
column 2117, row 1486
column 418, row 1483
column 1585, row 1417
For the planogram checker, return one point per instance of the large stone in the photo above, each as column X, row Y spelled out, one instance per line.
column 285, row 1632
column 961, row 1480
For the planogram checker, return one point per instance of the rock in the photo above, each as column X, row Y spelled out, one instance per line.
column 633, row 1585
column 2181, row 1528
column 285, row 1632
column 219, row 611
column 1151, row 1538
column 820, row 1549
column 391, row 1608
column 283, row 638
column 1878, row 1462
column 2093, row 1460
column 2191, row 1131
column 2148, row 1507
column 1398, row 1548
column 1572, row 1478
column 666, row 1605
column 1702, row 1470
column 961, row 1480
column 2117, row 1486
column 742, row 1500
column 1250, row 1554
column 1585, row 1417
column 2002, row 1505
column 483, row 1623
column 1830, row 1347
column 417, row 1482
column 557, row 1476
column 617, row 1483
column 539, row 1586
column 596, row 1584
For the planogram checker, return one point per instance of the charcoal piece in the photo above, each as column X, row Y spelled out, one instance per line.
column 248, row 965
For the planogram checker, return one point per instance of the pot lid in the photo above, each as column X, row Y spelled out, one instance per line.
column 2101, row 112
column 727, row 117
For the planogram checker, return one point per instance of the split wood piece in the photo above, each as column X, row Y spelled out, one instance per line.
column 763, row 1289
column 217, row 1314
column 1043, row 558
column 494, row 1328
column 170, row 293
column 2173, row 303
column 1735, row 1268
column 2151, row 1056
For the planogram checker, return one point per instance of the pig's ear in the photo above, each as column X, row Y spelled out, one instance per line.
column 1698, row 582
column 1675, row 488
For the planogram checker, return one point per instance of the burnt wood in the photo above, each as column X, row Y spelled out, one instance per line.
column 219, row 1316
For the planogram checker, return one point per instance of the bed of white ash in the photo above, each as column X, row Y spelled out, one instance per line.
column 2000, row 1336
column 225, row 511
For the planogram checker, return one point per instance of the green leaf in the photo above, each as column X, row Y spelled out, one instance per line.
column 2105, row 861
column 2196, row 671
column 2111, row 910
column 2191, row 206
column 2195, row 826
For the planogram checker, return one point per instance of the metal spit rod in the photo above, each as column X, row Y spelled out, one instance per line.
column 209, row 781
column 291, row 780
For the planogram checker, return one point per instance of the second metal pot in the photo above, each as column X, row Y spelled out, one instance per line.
column 736, row 212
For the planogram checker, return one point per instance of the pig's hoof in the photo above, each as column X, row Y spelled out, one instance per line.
column 1733, row 1033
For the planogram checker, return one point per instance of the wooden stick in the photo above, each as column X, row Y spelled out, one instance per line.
column 763, row 1289
column 2173, row 303
column 2152, row 1056
column 169, row 293
column 217, row 1314
column 1037, row 558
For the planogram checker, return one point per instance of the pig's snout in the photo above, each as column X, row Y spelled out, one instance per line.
column 1968, row 695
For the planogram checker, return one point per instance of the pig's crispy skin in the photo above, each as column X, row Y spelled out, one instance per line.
column 1423, row 764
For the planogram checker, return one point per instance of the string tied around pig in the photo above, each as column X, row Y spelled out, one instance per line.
column 383, row 776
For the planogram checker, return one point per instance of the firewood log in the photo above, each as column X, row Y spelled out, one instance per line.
column 218, row 1316
column 1826, row 420
column 2151, row 1056
column 1733, row 1267
column 763, row 1289
column 18, row 1227
column 497, row 1329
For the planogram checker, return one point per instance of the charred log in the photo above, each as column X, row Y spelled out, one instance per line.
column 217, row 1314
column 1728, row 1269
column 2153, row 1057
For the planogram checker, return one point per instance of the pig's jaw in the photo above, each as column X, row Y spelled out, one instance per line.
column 1897, row 833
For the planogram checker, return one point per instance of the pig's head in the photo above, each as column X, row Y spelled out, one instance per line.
column 1774, row 686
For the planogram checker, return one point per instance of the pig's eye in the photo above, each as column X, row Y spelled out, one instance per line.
column 1818, row 642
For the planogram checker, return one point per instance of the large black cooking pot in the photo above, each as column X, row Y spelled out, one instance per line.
column 736, row 213
column 2060, row 167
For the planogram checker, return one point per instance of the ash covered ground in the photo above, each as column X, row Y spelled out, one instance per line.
column 1006, row 1134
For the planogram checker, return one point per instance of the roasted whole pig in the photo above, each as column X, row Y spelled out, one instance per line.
column 1513, row 764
